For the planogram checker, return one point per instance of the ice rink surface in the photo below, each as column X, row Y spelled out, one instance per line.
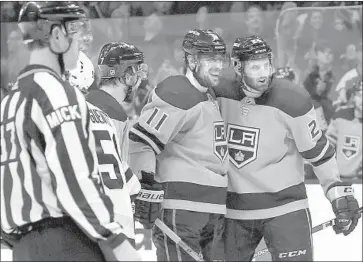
column 327, row 245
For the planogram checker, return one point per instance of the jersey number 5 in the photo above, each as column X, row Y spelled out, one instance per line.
column 108, row 164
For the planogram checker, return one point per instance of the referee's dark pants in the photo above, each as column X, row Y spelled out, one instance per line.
column 56, row 239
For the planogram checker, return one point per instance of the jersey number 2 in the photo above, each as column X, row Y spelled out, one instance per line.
column 314, row 130
column 108, row 164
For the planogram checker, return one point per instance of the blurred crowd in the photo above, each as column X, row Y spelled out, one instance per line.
column 106, row 9
column 320, row 41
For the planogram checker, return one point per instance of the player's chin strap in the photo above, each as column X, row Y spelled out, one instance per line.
column 315, row 229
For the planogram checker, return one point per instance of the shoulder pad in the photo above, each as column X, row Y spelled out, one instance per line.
column 289, row 98
column 107, row 104
column 228, row 88
column 346, row 113
column 179, row 92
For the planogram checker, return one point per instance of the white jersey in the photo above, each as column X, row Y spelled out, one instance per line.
column 111, row 168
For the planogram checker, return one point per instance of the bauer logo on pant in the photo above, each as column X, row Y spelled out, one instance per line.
column 242, row 144
column 220, row 142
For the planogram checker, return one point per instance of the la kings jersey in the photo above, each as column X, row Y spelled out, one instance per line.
column 345, row 132
column 268, row 139
column 182, row 125
column 118, row 179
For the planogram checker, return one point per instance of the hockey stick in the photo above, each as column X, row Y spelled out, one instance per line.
column 315, row 229
column 170, row 233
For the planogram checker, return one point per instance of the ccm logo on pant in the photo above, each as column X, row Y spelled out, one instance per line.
column 293, row 253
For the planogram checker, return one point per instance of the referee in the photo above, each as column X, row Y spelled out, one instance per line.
column 52, row 202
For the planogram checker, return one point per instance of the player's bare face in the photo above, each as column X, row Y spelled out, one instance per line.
column 210, row 69
column 257, row 74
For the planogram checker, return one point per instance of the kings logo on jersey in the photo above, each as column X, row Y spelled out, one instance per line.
column 242, row 144
column 350, row 148
column 220, row 142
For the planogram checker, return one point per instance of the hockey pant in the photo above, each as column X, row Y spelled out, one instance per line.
column 56, row 239
column 288, row 237
column 196, row 229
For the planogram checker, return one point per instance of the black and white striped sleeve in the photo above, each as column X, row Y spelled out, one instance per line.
column 61, row 115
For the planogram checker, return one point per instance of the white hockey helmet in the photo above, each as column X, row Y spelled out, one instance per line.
column 83, row 75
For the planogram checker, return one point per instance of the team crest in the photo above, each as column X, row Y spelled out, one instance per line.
column 220, row 142
column 242, row 144
column 351, row 146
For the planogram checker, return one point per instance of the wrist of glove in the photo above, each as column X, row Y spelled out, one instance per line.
column 148, row 201
column 345, row 206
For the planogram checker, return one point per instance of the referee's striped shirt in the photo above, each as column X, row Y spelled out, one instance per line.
column 47, row 165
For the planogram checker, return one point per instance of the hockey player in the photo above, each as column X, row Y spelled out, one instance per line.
column 118, row 180
column 345, row 133
column 271, row 129
column 181, row 130
column 121, row 70
column 53, row 205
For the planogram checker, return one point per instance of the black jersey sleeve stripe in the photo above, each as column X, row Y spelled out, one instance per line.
column 140, row 134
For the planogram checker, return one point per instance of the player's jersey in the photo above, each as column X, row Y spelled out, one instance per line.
column 109, row 105
column 114, row 110
column 47, row 157
column 268, row 139
column 345, row 132
column 348, row 80
column 346, row 84
column 182, row 124
column 111, row 168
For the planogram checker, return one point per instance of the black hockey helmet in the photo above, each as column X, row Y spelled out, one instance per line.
column 206, row 43
column 251, row 48
column 199, row 41
column 36, row 19
column 285, row 73
column 248, row 49
column 115, row 57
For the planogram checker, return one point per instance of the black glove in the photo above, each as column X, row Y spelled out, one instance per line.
column 345, row 206
column 148, row 202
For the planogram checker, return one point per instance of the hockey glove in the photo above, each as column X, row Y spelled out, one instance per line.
column 341, row 196
column 148, row 202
